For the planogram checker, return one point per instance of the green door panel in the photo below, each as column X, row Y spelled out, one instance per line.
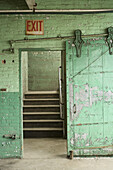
column 89, row 98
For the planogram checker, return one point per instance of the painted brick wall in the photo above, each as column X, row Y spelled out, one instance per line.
column 13, row 4
column 54, row 25
column 10, row 124
column 74, row 4
column 13, row 27
column 43, row 70
column 24, row 58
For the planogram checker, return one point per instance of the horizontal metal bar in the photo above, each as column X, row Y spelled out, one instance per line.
column 56, row 38
column 55, row 10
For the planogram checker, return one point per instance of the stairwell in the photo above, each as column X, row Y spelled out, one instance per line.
column 41, row 115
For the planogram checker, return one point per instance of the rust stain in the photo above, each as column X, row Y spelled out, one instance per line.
column 79, row 124
column 90, row 123
column 97, row 147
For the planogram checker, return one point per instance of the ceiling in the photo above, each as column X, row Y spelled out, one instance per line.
column 16, row 4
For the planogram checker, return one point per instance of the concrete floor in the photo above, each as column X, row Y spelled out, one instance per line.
column 50, row 154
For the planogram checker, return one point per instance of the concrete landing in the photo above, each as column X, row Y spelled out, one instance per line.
column 50, row 154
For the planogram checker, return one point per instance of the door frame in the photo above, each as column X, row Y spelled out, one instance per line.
column 21, row 89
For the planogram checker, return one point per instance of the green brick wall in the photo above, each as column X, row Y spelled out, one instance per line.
column 24, row 66
column 10, row 123
column 54, row 25
column 13, row 4
column 12, row 27
column 43, row 70
column 74, row 4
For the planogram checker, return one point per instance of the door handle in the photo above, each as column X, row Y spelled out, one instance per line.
column 74, row 108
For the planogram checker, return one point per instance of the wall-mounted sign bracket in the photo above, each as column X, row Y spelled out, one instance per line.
column 78, row 42
column 110, row 39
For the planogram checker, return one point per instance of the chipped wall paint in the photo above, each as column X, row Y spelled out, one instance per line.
column 10, row 124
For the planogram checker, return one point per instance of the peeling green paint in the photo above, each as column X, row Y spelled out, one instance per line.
column 89, row 88
column 10, row 123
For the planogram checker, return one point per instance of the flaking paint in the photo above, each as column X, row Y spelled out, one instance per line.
column 89, row 84
column 89, row 96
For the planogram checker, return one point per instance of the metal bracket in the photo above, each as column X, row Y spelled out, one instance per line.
column 11, row 136
column 110, row 39
column 74, row 108
column 78, row 42
column 11, row 50
column 71, row 155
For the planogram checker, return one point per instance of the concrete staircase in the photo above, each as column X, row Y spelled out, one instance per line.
column 41, row 115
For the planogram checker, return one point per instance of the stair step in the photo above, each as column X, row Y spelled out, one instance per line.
column 42, row 121
column 41, row 95
column 42, row 124
column 41, row 102
column 41, row 113
column 41, row 99
column 41, row 109
column 42, row 129
column 42, row 92
column 41, row 106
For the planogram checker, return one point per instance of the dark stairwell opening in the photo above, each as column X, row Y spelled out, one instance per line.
column 41, row 100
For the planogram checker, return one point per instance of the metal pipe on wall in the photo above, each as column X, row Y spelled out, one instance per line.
column 56, row 38
column 58, row 11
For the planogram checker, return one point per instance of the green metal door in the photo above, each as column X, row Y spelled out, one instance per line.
column 89, row 98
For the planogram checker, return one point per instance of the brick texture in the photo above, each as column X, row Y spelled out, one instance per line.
column 14, row 4
column 74, row 4
column 12, row 27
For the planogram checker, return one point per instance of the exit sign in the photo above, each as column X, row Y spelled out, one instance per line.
column 35, row 27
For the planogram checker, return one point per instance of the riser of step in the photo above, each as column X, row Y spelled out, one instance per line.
column 41, row 116
column 42, row 124
column 43, row 134
column 41, row 96
column 42, row 102
column 41, row 109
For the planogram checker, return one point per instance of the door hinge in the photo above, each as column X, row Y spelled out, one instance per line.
column 110, row 39
column 78, row 42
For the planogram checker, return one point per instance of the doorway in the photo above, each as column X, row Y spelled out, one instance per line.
column 40, row 87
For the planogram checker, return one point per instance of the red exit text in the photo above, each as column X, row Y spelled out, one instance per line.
column 34, row 27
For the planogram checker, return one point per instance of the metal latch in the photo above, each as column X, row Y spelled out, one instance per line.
column 74, row 108
column 11, row 136
column 78, row 42
column 110, row 39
